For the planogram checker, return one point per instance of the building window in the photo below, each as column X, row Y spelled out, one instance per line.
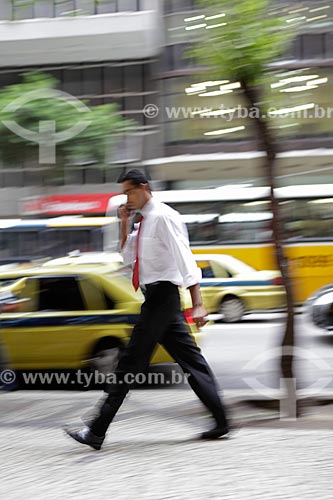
column 92, row 81
column 64, row 8
column 106, row 7
column 127, row 5
column 72, row 81
column 22, row 9
column 329, row 45
column 131, row 86
column 28, row 9
column 171, row 6
column 313, row 46
column 44, row 9
column 85, row 7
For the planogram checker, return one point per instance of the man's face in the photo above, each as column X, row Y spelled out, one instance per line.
column 136, row 195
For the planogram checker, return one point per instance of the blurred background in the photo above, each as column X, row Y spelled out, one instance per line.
column 151, row 106
column 133, row 53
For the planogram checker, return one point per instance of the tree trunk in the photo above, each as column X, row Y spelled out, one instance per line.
column 267, row 142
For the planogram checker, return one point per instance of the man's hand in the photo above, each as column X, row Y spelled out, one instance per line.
column 199, row 316
column 199, row 313
column 124, row 213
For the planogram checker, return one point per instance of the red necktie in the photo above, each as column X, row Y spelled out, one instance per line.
column 135, row 277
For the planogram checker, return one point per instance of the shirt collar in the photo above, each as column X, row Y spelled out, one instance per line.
column 147, row 208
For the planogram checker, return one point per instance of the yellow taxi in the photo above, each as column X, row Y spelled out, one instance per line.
column 113, row 260
column 231, row 288
column 70, row 317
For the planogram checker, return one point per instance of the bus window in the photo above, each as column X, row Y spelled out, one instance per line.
column 201, row 220
column 19, row 246
column 308, row 218
column 245, row 221
column 60, row 241
column 81, row 239
column 9, row 244
column 29, row 243
column 56, row 237
column 202, row 229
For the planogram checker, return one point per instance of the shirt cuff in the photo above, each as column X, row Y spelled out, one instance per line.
column 193, row 279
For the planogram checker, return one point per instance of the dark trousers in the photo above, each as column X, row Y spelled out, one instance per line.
column 161, row 322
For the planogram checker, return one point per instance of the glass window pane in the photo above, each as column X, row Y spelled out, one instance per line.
column 60, row 294
column 6, row 10
column 9, row 244
column 171, row 6
column 56, row 242
column 167, row 59
column 72, row 81
column 94, row 175
column 106, row 6
column 133, row 78
column 44, row 9
column 127, row 5
column 58, row 75
column 313, row 46
column 9, row 79
column 230, row 221
column 23, row 9
column 112, row 80
column 29, row 244
column 80, row 239
column 85, row 7
column 31, row 178
column 92, row 81
column 64, row 7
column 329, row 45
column 134, row 103
column 13, row 179
column 310, row 219
column 74, row 175
column 181, row 60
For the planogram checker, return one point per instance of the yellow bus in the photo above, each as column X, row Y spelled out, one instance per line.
column 238, row 221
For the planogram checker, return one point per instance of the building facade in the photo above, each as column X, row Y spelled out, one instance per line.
column 134, row 53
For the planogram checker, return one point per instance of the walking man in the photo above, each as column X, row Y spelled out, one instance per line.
column 162, row 261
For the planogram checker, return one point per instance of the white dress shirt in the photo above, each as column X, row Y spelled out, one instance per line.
column 164, row 250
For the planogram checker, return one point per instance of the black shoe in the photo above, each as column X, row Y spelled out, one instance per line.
column 215, row 433
column 85, row 436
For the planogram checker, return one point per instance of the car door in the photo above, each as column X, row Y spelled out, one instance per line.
column 18, row 329
column 61, row 321
column 214, row 284
column 106, row 317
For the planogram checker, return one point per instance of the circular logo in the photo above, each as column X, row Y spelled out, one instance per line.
column 47, row 137
column 7, row 377
column 275, row 354
column 151, row 111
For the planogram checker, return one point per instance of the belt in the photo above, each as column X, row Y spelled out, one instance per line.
column 146, row 287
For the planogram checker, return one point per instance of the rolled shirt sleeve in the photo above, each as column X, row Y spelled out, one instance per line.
column 128, row 251
column 173, row 232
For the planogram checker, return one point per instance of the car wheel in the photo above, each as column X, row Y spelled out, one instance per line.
column 106, row 358
column 232, row 309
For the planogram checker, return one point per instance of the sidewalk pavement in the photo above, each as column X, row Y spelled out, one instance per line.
column 152, row 450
